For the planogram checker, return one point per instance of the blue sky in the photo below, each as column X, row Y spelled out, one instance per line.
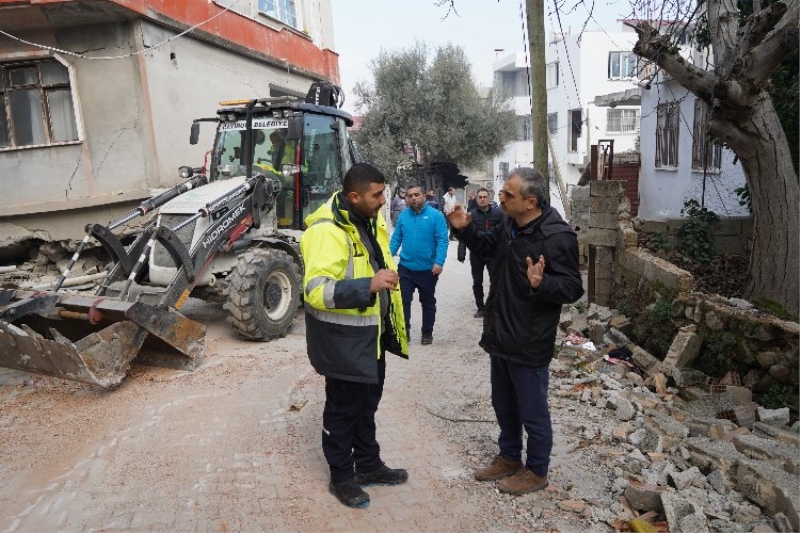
column 363, row 27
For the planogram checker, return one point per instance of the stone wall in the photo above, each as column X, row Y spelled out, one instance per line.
column 731, row 235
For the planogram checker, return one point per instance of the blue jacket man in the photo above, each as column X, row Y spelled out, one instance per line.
column 421, row 237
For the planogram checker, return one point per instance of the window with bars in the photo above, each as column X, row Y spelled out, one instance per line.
column 575, row 130
column 552, row 122
column 667, row 135
column 524, row 130
column 551, row 76
column 621, row 65
column 622, row 121
column 504, row 170
column 36, row 105
column 283, row 10
column 706, row 154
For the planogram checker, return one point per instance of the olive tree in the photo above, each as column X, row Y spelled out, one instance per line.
column 429, row 104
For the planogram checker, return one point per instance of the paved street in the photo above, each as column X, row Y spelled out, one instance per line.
column 235, row 445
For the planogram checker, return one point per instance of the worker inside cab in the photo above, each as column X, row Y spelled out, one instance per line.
column 271, row 157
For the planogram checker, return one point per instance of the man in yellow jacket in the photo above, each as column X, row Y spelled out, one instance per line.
column 354, row 315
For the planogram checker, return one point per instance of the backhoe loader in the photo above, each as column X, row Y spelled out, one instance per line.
column 234, row 222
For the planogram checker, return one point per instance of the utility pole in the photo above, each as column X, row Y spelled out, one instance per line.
column 536, row 44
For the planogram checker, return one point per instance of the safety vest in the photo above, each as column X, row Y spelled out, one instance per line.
column 343, row 319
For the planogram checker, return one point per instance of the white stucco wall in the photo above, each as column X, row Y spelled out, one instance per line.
column 583, row 75
column 663, row 192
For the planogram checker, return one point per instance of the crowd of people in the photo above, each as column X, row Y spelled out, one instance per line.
column 358, row 308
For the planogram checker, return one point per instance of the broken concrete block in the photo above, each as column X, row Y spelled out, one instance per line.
column 718, row 481
column 667, row 425
column 711, row 455
column 658, row 473
column 742, row 395
column 624, row 409
column 646, row 497
column 742, row 415
column 620, row 323
column 771, row 487
column 644, row 360
column 780, row 453
column 775, row 417
column 687, row 377
column 682, row 515
column 713, row 428
column 767, row 430
column 683, row 351
column 681, row 480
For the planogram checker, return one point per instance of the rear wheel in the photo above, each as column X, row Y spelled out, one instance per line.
column 263, row 294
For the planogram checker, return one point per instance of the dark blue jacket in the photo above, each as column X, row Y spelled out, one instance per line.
column 484, row 221
column 520, row 323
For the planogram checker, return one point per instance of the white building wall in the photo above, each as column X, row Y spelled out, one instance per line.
column 663, row 192
column 583, row 75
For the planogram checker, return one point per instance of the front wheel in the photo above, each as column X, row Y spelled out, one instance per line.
column 263, row 294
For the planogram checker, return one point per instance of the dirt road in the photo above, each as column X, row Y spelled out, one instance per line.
column 235, row 445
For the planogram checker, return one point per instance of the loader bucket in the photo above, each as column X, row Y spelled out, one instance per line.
column 91, row 339
column 101, row 358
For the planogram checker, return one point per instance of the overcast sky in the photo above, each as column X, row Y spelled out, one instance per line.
column 363, row 27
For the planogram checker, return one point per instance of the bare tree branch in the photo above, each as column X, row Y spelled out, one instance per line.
column 758, row 64
column 761, row 23
column 658, row 48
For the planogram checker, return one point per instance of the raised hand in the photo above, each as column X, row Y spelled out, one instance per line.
column 458, row 217
column 535, row 271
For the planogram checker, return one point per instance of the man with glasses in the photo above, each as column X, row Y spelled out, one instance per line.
column 534, row 274
column 484, row 217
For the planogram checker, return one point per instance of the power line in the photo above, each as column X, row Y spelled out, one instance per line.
column 106, row 58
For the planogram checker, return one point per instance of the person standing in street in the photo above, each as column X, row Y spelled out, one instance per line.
column 354, row 315
column 535, row 273
column 449, row 199
column 472, row 202
column 484, row 217
column 421, row 238
column 431, row 200
column 398, row 204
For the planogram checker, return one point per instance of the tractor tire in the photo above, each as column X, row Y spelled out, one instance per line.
column 263, row 294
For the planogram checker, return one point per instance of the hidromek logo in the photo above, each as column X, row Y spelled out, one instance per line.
column 223, row 226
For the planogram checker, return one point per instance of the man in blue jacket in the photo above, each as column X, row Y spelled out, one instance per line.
column 535, row 272
column 421, row 237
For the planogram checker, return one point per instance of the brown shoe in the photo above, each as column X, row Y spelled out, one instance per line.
column 522, row 482
column 500, row 468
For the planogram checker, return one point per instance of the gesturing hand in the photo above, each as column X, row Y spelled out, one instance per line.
column 535, row 271
column 458, row 217
column 384, row 279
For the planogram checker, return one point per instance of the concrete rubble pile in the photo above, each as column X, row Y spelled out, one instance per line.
column 687, row 457
column 48, row 261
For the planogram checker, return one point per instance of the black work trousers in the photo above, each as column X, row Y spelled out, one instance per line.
column 477, row 264
column 348, row 425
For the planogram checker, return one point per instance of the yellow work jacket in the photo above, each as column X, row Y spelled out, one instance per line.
column 343, row 318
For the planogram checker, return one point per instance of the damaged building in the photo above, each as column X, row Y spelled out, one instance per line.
column 98, row 97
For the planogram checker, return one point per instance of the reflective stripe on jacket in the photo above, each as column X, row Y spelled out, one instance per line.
column 343, row 318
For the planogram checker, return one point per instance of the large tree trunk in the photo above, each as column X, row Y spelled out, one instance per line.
column 761, row 145
column 742, row 116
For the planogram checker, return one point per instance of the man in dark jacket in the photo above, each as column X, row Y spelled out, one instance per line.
column 484, row 218
column 534, row 274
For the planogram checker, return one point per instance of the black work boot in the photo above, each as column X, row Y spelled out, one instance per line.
column 382, row 476
column 349, row 493
column 427, row 338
